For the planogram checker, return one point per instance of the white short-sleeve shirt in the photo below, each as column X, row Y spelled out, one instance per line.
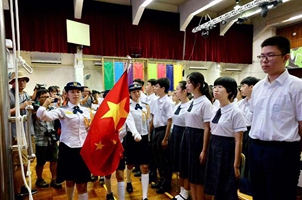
column 231, row 121
column 277, row 108
column 180, row 118
column 162, row 110
column 201, row 112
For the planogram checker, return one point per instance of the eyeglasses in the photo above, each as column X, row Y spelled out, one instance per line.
column 268, row 57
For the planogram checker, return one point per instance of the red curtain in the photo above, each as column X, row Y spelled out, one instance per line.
column 43, row 28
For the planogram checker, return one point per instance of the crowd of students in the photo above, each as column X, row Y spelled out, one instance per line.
column 201, row 136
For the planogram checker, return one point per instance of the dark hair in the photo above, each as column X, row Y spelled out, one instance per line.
column 140, row 81
column 164, row 82
column 197, row 78
column 105, row 93
column 52, row 89
column 40, row 92
column 282, row 43
column 229, row 84
column 182, row 85
column 250, row 80
column 152, row 81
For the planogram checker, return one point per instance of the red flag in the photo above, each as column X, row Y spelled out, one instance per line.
column 102, row 149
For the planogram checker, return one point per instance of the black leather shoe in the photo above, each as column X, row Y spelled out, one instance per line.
column 137, row 174
column 56, row 185
column 19, row 196
column 129, row 187
column 157, row 184
column 165, row 187
column 110, row 196
column 41, row 183
column 24, row 191
column 145, row 199
column 93, row 178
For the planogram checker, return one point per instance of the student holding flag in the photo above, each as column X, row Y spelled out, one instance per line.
column 74, row 120
column 136, row 140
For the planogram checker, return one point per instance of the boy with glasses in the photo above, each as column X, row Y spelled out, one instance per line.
column 276, row 129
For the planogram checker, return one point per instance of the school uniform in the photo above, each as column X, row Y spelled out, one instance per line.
column 244, row 105
column 199, row 112
column 275, row 149
column 74, row 124
column 179, row 125
column 137, row 153
column 220, row 179
column 162, row 110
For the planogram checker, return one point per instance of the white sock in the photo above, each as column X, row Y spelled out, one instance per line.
column 185, row 193
column 69, row 192
column 121, row 190
column 145, row 184
column 129, row 172
column 83, row 196
column 181, row 189
column 108, row 185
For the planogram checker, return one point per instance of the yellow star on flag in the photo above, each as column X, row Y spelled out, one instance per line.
column 99, row 145
column 113, row 141
column 116, row 111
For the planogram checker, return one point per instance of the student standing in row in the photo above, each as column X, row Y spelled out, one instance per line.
column 136, row 140
column 196, row 137
column 179, row 125
column 162, row 111
column 276, row 125
column 246, row 88
column 74, row 120
column 224, row 152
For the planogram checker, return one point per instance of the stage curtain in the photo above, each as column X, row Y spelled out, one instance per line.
column 43, row 29
column 108, row 75
column 138, row 70
column 152, row 71
column 118, row 70
column 177, row 71
column 170, row 75
column 161, row 70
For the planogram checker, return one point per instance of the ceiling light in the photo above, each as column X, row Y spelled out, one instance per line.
column 206, row 7
column 293, row 18
column 205, row 34
column 223, row 22
column 241, row 20
column 198, row 68
column 147, row 2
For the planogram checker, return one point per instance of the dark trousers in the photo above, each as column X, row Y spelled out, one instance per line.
column 160, row 154
column 152, row 164
column 274, row 169
column 245, row 150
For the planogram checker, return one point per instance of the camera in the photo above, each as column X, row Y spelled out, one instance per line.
column 40, row 86
column 52, row 136
column 36, row 105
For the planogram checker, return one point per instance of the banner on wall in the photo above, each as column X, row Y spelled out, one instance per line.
column 295, row 60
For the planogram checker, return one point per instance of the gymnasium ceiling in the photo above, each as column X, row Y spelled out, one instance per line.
column 189, row 8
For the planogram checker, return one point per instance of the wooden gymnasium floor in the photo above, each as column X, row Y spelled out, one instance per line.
column 95, row 190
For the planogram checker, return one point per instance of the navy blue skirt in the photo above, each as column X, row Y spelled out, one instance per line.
column 220, row 179
column 174, row 146
column 190, row 149
column 71, row 165
column 136, row 153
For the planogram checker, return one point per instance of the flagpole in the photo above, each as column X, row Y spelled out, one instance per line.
column 129, row 63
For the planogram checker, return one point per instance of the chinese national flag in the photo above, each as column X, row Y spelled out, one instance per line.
column 102, row 149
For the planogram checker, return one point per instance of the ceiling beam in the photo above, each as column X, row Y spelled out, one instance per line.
column 191, row 8
column 78, row 7
column 138, row 7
